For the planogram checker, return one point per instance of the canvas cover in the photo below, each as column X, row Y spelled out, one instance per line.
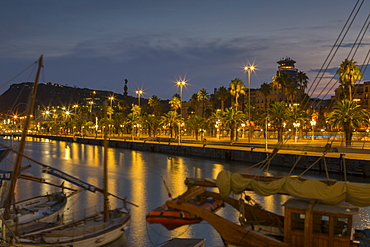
column 357, row 194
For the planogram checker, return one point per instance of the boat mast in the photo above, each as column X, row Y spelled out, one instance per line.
column 105, row 158
column 17, row 167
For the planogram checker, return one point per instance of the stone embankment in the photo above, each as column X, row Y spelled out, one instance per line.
column 247, row 153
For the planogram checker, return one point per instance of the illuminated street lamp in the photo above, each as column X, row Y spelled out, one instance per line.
column 296, row 126
column 139, row 93
column 313, row 123
column 180, row 84
column 249, row 69
column 111, row 98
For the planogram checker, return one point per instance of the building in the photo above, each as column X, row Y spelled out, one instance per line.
column 361, row 94
column 286, row 65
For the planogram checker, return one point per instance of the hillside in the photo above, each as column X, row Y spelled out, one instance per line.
column 14, row 100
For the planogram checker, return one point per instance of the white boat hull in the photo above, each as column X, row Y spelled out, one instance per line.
column 85, row 233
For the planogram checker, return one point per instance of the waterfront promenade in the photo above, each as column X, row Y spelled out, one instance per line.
column 360, row 149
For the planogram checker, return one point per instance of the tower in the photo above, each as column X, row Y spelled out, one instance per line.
column 286, row 65
column 125, row 88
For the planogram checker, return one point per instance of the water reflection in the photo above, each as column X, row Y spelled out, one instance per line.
column 138, row 176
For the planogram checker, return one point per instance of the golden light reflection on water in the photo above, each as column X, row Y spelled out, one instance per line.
column 139, row 193
column 137, row 175
column 176, row 175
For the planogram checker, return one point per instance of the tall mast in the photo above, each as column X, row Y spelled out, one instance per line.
column 105, row 157
column 17, row 167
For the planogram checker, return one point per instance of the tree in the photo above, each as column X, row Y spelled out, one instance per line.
column 231, row 118
column 195, row 123
column 282, row 81
column 348, row 73
column 194, row 102
column 222, row 95
column 237, row 88
column 203, row 97
column 347, row 115
column 302, row 80
column 278, row 115
column 155, row 103
column 175, row 102
column 170, row 119
column 265, row 90
column 151, row 123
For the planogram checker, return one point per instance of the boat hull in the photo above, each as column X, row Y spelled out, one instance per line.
column 172, row 218
column 87, row 232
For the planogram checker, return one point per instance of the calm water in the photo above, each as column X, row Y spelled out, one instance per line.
column 138, row 177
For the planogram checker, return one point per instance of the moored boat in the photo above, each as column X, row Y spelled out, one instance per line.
column 172, row 218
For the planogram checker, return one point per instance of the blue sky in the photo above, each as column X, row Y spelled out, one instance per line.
column 98, row 44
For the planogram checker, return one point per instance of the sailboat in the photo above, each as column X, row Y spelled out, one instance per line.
column 34, row 212
column 319, row 213
column 94, row 230
column 98, row 229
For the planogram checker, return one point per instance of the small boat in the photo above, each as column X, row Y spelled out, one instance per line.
column 89, row 231
column 37, row 212
column 172, row 218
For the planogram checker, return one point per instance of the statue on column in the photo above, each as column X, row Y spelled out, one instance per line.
column 125, row 88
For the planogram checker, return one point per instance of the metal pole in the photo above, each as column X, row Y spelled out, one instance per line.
column 180, row 114
column 249, row 105
column 266, row 133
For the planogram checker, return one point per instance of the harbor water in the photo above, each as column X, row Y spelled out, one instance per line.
column 139, row 177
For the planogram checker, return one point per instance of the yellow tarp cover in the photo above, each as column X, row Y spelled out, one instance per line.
column 357, row 194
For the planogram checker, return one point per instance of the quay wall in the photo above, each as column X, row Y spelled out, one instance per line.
column 334, row 165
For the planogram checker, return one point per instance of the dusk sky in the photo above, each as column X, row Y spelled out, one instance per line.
column 97, row 44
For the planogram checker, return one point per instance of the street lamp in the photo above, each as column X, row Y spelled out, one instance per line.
column 313, row 123
column 111, row 98
column 139, row 92
column 180, row 84
column 249, row 69
column 296, row 126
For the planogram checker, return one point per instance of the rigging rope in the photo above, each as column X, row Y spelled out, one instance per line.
column 333, row 52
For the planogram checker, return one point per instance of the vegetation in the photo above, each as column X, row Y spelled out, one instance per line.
column 220, row 114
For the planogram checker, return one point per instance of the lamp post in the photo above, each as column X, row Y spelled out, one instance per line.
column 249, row 69
column 266, row 133
column 180, row 84
column 313, row 123
column 139, row 92
column 111, row 98
column 296, row 126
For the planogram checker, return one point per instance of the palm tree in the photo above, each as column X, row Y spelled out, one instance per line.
column 265, row 90
column 195, row 123
column 203, row 97
column 237, row 88
column 282, row 81
column 222, row 95
column 154, row 102
column 297, row 116
column 302, row 80
column 347, row 115
column 232, row 118
column 175, row 102
column 194, row 102
column 348, row 73
column 151, row 123
column 278, row 115
column 170, row 119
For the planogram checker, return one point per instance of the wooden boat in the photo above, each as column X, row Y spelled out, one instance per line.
column 89, row 231
column 315, row 221
column 31, row 213
column 95, row 230
column 37, row 212
column 173, row 218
